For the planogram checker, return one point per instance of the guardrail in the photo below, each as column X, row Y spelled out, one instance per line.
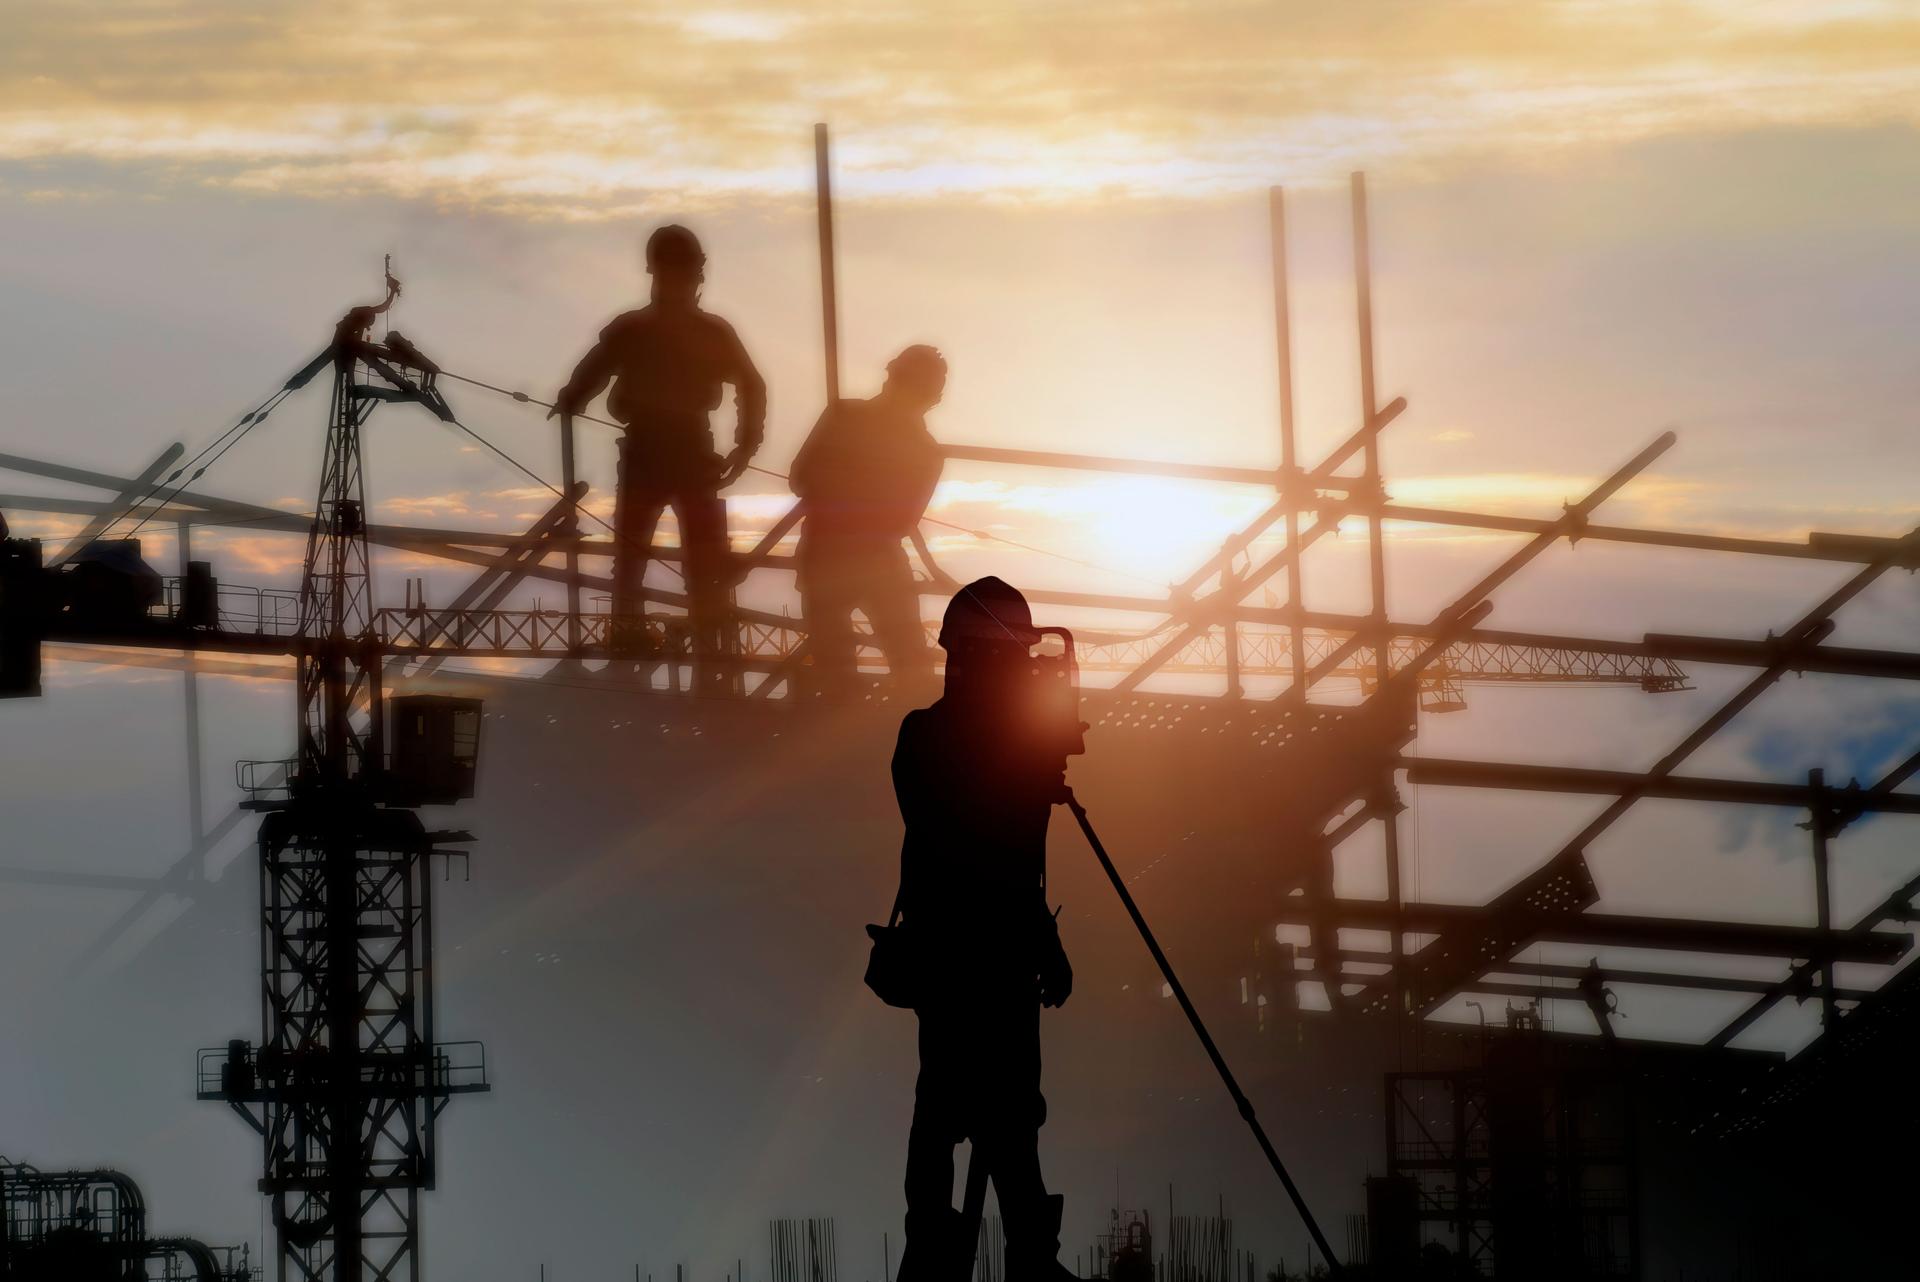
column 268, row 779
column 250, row 611
column 239, row 1070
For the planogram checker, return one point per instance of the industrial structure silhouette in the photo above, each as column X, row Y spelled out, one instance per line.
column 1516, row 1151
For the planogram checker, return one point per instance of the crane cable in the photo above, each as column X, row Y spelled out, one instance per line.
column 987, row 535
column 217, row 447
column 641, row 545
column 233, row 435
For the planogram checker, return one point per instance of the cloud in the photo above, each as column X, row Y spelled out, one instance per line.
column 589, row 108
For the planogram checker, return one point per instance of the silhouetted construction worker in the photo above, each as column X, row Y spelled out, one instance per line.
column 865, row 474
column 667, row 362
column 976, row 789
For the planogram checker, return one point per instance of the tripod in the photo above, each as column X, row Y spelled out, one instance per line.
column 973, row 1207
column 1240, row 1099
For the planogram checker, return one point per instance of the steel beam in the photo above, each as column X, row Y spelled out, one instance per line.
column 1818, row 547
column 1448, row 772
column 1835, row 660
column 1269, row 478
column 136, row 491
column 1607, row 975
column 1620, row 930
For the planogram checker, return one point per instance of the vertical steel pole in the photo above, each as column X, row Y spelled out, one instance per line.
column 1822, row 896
column 1230, row 635
column 829, row 290
column 573, row 540
column 1388, row 804
column 1369, row 407
column 1289, row 466
column 196, row 806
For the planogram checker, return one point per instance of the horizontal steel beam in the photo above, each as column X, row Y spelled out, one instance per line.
column 173, row 639
column 1739, row 652
column 1272, row 478
column 1607, row 975
column 1621, row 783
column 1834, row 660
column 1858, row 550
column 1846, row 548
column 168, row 660
column 1665, row 934
column 1320, row 478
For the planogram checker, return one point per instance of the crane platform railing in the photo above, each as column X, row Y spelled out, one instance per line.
column 536, row 633
column 268, row 619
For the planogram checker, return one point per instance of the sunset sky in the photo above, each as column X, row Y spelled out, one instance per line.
column 588, row 109
column 1592, row 220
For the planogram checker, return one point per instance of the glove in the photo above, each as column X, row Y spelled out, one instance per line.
column 1056, row 974
column 736, row 465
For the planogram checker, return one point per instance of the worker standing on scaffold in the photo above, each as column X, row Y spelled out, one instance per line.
column 976, row 786
column 865, row 475
column 667, row 362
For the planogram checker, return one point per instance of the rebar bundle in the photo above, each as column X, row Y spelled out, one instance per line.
column 802, row 1251
column 1199, row 1249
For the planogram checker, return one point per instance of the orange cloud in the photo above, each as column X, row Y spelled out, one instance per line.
column 591, row 108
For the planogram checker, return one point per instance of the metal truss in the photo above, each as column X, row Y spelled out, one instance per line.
column 348, row 1120
column 347, row 1081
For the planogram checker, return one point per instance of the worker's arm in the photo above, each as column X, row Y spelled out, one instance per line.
column 910, row 790
column 590, row 378
column 805, row 468
column 750, row 406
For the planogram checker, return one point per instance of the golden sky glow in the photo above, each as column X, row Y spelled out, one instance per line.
column 1593, row 220
column 585, row 107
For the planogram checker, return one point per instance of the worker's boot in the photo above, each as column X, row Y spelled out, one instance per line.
column 934, row 1253
column 1034, row 1255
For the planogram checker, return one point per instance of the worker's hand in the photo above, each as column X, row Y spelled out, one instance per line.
column 735, row 466
column 1056, row 975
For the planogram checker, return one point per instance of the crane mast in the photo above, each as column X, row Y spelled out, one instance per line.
column 347, row 1081
column 336, row 587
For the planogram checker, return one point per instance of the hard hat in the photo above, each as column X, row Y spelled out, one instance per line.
column 988, row 609
column 921, row 358
column 672, row 245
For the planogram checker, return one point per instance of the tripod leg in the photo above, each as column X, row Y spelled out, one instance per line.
column 1240, row 1099
column 973, row 1209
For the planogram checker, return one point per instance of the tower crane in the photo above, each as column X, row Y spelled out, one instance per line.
column 347, row 1081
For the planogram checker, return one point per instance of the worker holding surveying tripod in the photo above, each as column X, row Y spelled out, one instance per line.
column 976, row 787
column 972, row 948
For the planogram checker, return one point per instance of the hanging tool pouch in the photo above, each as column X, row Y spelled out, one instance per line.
column 893, row 965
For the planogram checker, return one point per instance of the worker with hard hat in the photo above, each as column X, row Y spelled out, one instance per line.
column 976, row 788
column 864, row 477
column 668, row 362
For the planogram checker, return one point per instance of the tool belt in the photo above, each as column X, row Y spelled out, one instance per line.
column 894, row 969
column 662, row 458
